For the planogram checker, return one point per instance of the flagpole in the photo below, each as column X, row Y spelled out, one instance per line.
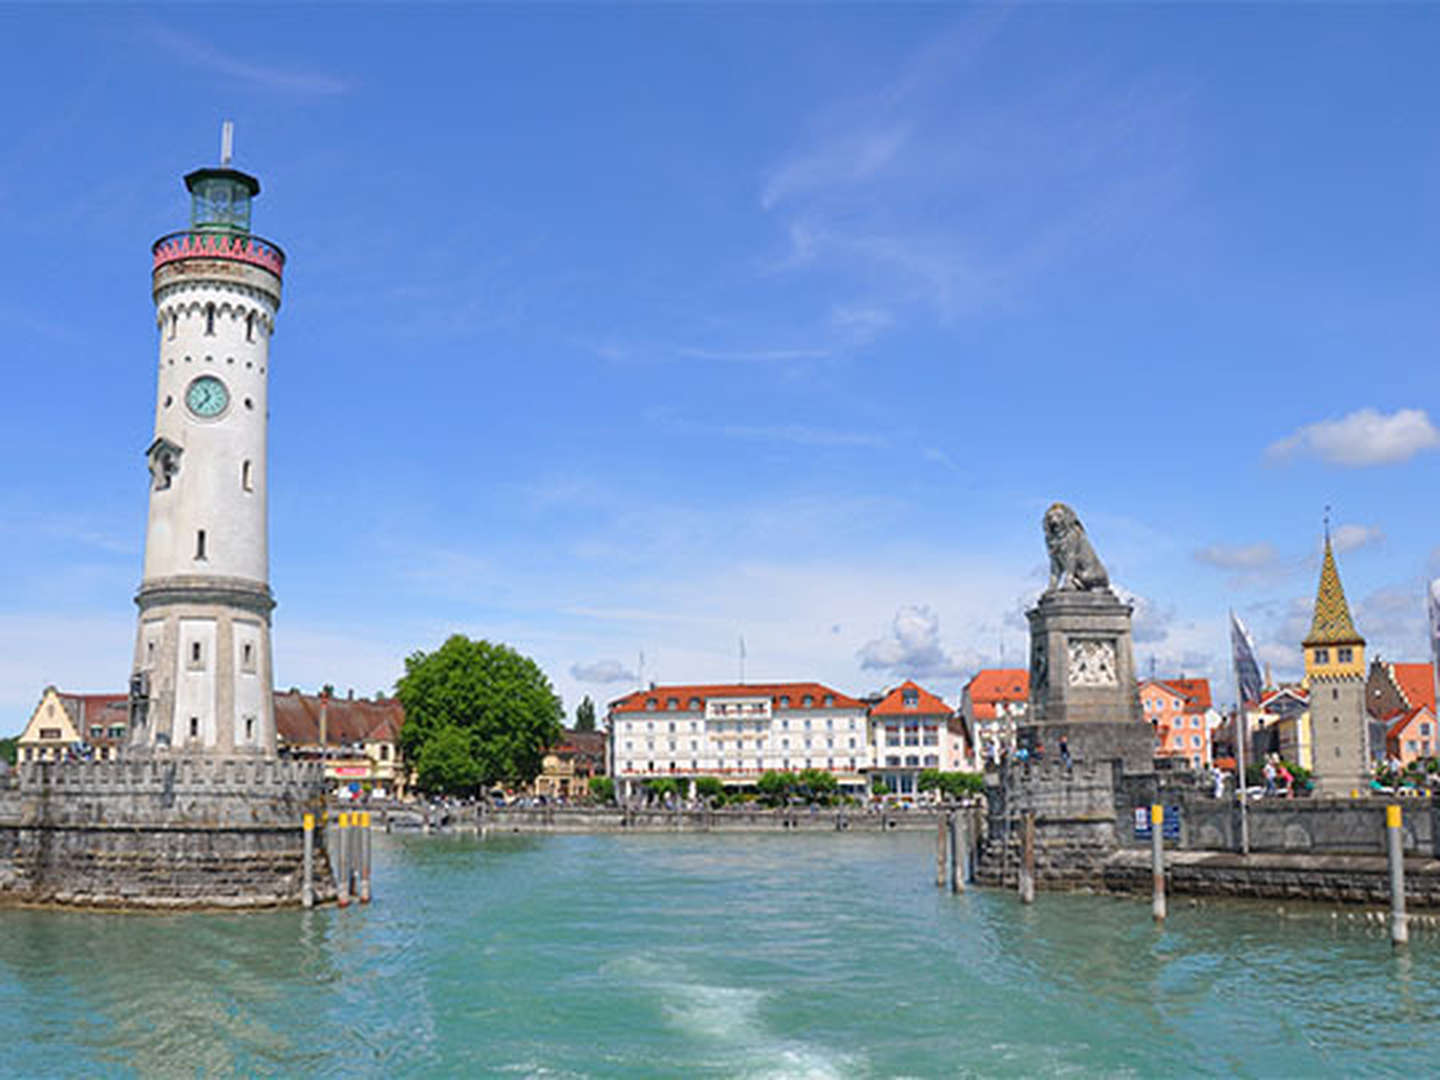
column 1240, row 740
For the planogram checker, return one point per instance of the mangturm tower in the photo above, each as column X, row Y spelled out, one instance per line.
column 1335, row 675
column 202, row 676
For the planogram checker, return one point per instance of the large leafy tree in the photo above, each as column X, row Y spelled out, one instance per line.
column 478, row 700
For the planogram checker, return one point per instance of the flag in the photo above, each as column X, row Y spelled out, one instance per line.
column 1247, row 668
column 1432, row 596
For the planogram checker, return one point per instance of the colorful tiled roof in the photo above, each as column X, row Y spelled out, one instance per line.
column 926, row 703
column 796, row 692
column 999, row 684
column 1332, row 624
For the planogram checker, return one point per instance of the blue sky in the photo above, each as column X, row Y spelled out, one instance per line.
column 623, row 330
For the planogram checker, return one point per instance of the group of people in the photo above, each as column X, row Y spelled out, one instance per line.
column 1277, row 776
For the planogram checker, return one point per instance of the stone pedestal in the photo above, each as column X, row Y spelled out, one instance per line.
column 1082, row 680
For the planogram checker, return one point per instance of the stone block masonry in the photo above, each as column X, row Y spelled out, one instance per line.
column 161, row 832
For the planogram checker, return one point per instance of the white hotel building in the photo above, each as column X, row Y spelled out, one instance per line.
column 736, row 732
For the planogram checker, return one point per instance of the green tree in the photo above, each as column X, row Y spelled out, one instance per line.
column 774, row 787
column 878, row 786
column 952, row 785
column 710, row 787
column 8, row 749
column 585, row 715
column 446, row 763
column 662, row 786
column 817, row 785
column 499, row 702
column 602, row 789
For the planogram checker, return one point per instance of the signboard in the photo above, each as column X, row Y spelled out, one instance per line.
column 351, row 770
column 1168, row 831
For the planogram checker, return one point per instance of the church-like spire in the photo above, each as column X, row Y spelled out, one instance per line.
column 1332, row 624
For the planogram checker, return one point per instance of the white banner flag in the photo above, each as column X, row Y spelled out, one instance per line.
column 1247, row 667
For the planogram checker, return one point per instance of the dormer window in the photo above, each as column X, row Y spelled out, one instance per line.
column 829, row 700
column 910, row 699
column 784, row 701
column 672, row 703
column 807, row 701
column 694, row 703
column 651, row 703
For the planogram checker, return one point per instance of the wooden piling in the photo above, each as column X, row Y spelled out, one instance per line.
column 364, row 856
column 957, row 853
column 307, row 880
column 1395, row 849
column 940, row 855
column 1027, row 859
column 1157, row 860
column 342, row 859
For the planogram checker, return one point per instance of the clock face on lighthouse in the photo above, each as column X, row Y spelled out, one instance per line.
column 207, row 396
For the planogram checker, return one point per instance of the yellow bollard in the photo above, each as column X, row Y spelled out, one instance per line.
column 307, row 879
column 1157, row 860
column 364, row 856
column 1395, row 849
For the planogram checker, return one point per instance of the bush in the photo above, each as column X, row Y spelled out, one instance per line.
column 952, row 786
column 602, row 789
column 710, row 788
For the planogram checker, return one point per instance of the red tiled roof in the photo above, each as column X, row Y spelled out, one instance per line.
column 1299, row 693
column 999, row 684
column 984, row 710
column 87, row 710
column 1404, row 721
column 635, row 702
column 926, row 704
column 1416, row 682
column 1196, row 692
column 347, row 720
column 581, row 743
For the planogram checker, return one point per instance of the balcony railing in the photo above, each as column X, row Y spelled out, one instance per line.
column 197, row 244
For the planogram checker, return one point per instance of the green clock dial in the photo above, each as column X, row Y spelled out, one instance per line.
column 207, row 396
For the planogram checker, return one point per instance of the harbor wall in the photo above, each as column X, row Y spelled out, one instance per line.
column 577, row 819
column 1330, row 850
column 160, row 833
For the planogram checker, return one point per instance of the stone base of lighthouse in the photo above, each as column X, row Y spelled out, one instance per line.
column 161, row 832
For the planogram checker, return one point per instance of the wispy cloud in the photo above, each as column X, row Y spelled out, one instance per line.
column 752, row 356
column 1362, row 438
column 795, row 434
column 1248, row 557
column 602, row 671
column 198, row 53
column 1351, row 537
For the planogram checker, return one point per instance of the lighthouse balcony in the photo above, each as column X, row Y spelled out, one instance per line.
column 237, row 247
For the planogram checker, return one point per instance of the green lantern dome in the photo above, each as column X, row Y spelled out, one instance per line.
column 220, row 199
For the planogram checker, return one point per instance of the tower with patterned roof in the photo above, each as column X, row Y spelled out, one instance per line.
column 1335, row 676
column 201, row 680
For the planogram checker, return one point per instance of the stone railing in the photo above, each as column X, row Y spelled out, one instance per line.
column 180, row 774
column 238, row 247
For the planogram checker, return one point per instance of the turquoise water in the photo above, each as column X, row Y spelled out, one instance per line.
column 766, row 956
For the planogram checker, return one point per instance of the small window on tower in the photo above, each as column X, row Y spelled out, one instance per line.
column 247, row 657
column 249, row 728
column 197, row 655
column 194, row 727
column 210, row 319
column 250, row 327
column 200, row 544
column 246, row 483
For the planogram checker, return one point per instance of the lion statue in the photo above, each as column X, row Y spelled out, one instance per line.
column 1073, row 562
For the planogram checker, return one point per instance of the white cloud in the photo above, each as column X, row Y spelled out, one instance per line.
column 198, row 53
column 1362, row 438
column 602, row 671
column 1350, row 537
column 912, row 648
column 1238, row 556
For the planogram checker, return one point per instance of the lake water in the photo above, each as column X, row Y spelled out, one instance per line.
column 700, row 955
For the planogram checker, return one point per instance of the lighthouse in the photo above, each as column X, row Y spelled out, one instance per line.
column 202, row 680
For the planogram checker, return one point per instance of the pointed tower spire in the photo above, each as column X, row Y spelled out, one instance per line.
column 1332, row 624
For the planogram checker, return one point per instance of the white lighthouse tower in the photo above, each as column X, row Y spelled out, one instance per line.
column 202, row 678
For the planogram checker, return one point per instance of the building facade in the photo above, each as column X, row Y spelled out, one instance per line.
column 569, row 765
column 993, row 702
column 357, row 739
column 1411, row 737
column 1183, row 716
column 911, row 731
column 736, row 732
column 88, row 727
column 201, row 678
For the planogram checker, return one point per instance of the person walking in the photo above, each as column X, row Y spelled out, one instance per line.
column 1065, row 752
column 1269, row 773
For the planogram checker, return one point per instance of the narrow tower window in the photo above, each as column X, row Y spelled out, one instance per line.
column 250, row 327
column 200, row 544
column 194, row 727
column 249, row 728
column 246, row 482
column 210, row 319
column 195, row 652
column 174, row 323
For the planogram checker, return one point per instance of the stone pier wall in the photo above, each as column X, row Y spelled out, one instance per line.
column 160, row 833
column 1320, row 849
